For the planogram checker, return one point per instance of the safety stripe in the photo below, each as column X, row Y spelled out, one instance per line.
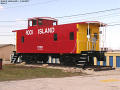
column 16, row 41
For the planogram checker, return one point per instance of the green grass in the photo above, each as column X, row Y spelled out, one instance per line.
column 13, row 72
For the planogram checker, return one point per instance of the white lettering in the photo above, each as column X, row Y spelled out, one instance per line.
column 46, row 30
column 29, row 32
column 40, row 31
column 39, row 47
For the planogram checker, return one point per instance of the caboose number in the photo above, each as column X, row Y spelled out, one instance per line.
column 29, row 32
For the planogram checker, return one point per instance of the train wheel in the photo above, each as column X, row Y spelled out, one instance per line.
column 67, row 60
column 45, row 59
column 61, row 60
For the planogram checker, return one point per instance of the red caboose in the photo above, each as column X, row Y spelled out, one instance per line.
column 74, row 43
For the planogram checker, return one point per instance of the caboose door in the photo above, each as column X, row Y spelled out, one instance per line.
column 87, row 37
column 92, row 37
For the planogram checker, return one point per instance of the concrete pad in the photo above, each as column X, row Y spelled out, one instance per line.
column 90, row 82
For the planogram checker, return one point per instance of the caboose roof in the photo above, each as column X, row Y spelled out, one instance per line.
column 97, row 23
column 100, row 24
column 45, row 18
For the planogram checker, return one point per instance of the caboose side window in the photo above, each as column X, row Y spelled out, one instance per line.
column 22, row 39
column 34, row 22
column 71, row 35
column 55, row 37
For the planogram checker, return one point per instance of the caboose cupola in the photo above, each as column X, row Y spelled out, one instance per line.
column 41, row 21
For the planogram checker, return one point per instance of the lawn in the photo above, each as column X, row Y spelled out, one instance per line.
column 13, row 72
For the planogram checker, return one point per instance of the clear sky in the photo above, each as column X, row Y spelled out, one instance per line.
column 57, row 8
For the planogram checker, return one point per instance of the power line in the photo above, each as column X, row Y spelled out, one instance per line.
column 6, row 32
column 114, row 24
column 94, row 17
column 76, row 14
column 108, row 10
column 109, row 24
column 7, row 21
column 12, row 26
column 7, row 35
column 13, row 21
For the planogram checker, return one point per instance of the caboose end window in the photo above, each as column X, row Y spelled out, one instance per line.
column 71, row 35
column 22, row 39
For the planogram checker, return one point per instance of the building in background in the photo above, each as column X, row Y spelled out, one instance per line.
column 6, row 51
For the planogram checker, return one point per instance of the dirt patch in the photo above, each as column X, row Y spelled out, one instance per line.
column 65, row 69
column 88, row 71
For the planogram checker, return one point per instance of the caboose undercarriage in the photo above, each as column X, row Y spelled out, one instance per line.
column 86, row 58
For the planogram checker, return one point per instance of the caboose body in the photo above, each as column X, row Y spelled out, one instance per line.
column 74, row 43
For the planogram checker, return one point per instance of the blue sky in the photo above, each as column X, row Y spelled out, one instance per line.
column 57, row 8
